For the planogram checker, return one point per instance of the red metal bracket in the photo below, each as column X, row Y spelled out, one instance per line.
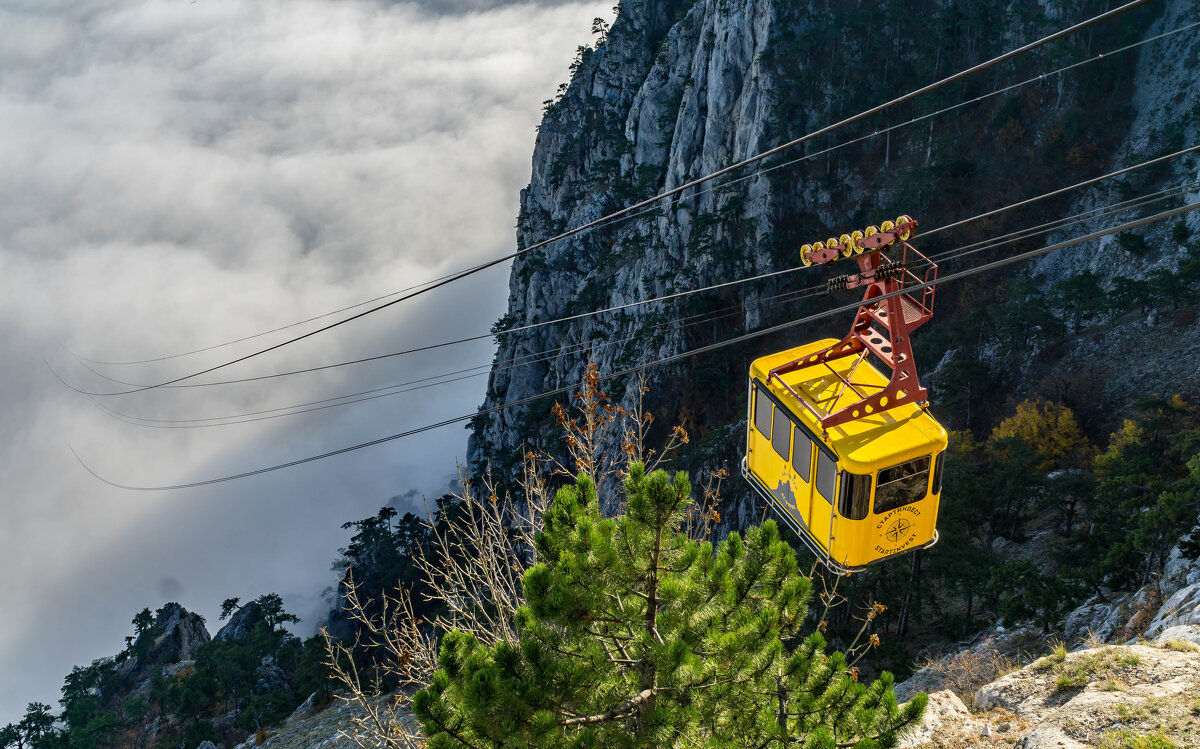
column 882, row 327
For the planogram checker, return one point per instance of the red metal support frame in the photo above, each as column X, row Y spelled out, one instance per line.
column 881, row 328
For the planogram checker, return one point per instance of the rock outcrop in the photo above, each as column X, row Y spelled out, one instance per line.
column 680, row 89
column 240, row 623
column 1171, row 600
column 177, row 633
column 1105, row 696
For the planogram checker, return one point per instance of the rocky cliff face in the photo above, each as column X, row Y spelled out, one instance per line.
column 677, row 90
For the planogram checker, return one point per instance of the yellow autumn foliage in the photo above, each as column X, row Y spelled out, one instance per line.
column 1051, row 429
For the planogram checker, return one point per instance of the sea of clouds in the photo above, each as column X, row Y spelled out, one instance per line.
column 175, row 174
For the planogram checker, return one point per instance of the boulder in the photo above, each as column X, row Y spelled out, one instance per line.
column 1178, row 572
column 1113, row 620
column 926, row 679
column 1182, row 608
column 944, row 708
column 1187, row 632
column 1049, row 737
column 206, row 745
column 1097, row 618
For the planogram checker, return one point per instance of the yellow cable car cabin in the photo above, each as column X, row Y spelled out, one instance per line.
column 863, row 491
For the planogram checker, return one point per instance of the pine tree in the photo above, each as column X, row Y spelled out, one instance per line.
column 636, row 635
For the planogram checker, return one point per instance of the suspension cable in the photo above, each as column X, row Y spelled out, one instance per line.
column 442, row 379
column 550, row 354
column 988, row 244
column 679, row 189
column 722, row 186
column 1079, row 218
column 664, row 360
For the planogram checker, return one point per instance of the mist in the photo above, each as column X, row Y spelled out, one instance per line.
column 178, row 175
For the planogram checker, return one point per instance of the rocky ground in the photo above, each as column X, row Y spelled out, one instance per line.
column 1110, row 696
column 311, row 727
column 1132, row 680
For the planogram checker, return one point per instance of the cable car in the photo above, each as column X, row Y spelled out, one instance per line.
column 846, row 455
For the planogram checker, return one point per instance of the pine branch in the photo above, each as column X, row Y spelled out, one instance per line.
column 628, row 707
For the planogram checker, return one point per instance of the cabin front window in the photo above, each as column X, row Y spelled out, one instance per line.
column 855, row 502
column 902, row 485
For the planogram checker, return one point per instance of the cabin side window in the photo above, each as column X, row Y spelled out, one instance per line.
column 826, row 475
column 802, row 454
column 855, row 502
column 937, row 473
column 762, row 413
column 781, row 433
column 902, row 485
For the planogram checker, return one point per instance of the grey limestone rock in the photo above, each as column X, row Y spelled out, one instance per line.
column 1183, row 608
column 1186, row 632
column 241, row 623
column 269, row 679
column 178, row 632
column 682, row 89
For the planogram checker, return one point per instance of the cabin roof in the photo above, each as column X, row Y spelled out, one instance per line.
column 866, row 444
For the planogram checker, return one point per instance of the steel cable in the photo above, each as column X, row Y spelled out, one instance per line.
column 675, row 190
column 659, row 362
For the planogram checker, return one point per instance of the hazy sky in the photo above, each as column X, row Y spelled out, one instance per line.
column 176, row 174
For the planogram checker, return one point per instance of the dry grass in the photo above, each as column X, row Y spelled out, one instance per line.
column 1180, row 646
column 965, row 672
column 1056, row 657
column 1124, row 738
column 1090, row 666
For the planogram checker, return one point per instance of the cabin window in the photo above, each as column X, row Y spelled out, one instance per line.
column 855, row 502
column 781, row 433
column 802, row 454
column 826, row 475
column 902, row 485
column 762, row 413
column 937, row 473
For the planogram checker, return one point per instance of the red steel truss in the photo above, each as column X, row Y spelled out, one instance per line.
column 882, row 327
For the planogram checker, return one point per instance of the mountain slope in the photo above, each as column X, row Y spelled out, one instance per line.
column 678, row 90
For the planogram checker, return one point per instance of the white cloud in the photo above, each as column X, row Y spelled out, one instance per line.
column 178, row 174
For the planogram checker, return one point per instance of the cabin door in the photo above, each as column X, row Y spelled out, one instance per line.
column 824, row 486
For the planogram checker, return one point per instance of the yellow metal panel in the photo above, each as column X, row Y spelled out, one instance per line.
column 864, row 447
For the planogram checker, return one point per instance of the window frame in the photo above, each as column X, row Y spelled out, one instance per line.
column 858, row 506
column 879, row 485
column 759, row 390
column 798, row 432
column 826, row 459
column 779, row 415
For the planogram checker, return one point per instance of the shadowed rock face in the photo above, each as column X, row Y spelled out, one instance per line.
column 174, row 637
column 241, row 623
column 681, row 89
column 177, row 634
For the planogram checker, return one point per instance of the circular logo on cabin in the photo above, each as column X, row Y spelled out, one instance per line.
column 898, row 529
